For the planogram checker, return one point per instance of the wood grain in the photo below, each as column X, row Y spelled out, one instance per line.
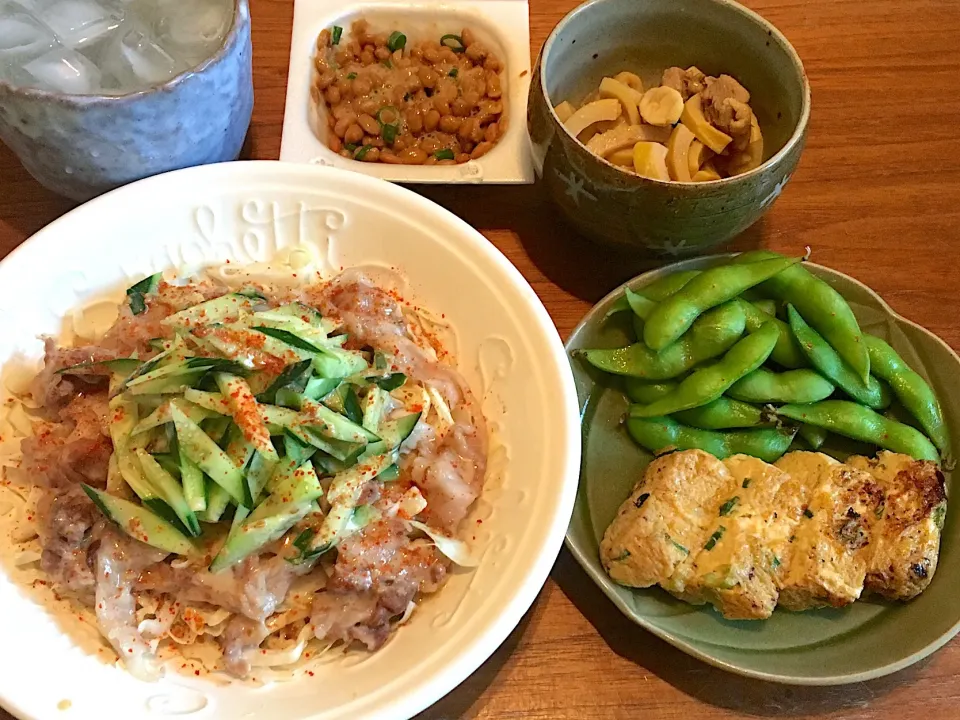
column 877, row 196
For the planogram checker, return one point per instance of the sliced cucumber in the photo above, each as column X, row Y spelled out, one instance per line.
column 216, row 427
column 246, row 414
column 319, row 388
column 227, row 308
column 295, row 377
column 394, row 432
column 334, row 425
column 343, row 494
column 161, row 416
column 290, row 483
column 389, row 474
column 218, row 500
column 374, row 407
column 211, row 401
column 194, row 485
column 203, row 451
column 170, row 490
column 137, row 293
column 253, row 534
column 259, row 471
column 169, row 462
column 335, row 362
column 140, row 523
column 296, row 450
column 342, row 450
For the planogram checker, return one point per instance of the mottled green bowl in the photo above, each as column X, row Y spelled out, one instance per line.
column 821, row 647
column 603, row 37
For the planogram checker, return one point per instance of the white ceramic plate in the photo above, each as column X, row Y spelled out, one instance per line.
column 509, row 352
column 501, row 24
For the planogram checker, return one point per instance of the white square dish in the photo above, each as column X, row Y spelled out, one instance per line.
column 501, row 24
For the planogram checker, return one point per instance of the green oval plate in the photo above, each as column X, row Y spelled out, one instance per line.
column 870, row 638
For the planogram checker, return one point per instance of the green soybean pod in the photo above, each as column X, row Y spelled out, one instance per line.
column 673, row 316
column 641, row 391
column 861, row 423
column 787, row 352
column 911, row 389
column 765, row 305
column 712, row 335
column 792, row 386
column 656, row 291
column 721, row 414
column 663, row 433
column 708, row 383
column 820, row 305
column 833, row 367
column 814, row 436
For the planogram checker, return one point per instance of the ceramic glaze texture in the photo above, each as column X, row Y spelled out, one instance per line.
column 81, row 146
column 603, row 37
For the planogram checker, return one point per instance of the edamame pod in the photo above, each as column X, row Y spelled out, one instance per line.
column 833, row 367
column 709, row 383
column 765, row 305
column 820, row 305
column 657, row 290
column 641, row 306
column 721, row 414
column 910, row 388
column 674, row 316
column 814, row 436
column 787, row 352
column 792, row 386
column 861, row 423
column 641, row 391
column 712, row 335
column 657, row 434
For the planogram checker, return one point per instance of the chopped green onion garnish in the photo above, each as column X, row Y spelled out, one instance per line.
column 352, row 76
column 453, row 73
column 389, row 133
column 387, row 64
column 396, row 41
column 445, row 154
column 454, row 42
column 361, row 153
column 712, row 542
column 350, row 146
column 729, row 505
column 807, row 513
column 336, row 34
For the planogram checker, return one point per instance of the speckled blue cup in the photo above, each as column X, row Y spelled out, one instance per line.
column 83, row 145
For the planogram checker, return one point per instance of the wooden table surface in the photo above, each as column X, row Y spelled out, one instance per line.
column 877, row 195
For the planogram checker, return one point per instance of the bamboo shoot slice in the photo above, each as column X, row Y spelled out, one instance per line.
column 661, row 106
column 597, row 111
column 630, row 80
column 564, row 110
column 628, row 97
column 626, row 136
column 706, row 174
column 699, row 154
column 650, row 160
column 678, row 153
column 622, row 158
column 706, row 133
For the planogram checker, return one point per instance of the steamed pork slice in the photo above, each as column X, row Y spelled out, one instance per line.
column 907, row 542
column 829, row 548
column 736, row 569
column 669, row 512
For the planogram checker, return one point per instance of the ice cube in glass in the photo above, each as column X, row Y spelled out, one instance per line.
column 136, row 60
column 80, row 23
column 22, row 37
column 64, row 70
column 193, row 30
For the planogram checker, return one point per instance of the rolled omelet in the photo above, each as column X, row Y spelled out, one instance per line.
column 668, row 515
column 827, row 554
column 736, row 570
column 906, row 544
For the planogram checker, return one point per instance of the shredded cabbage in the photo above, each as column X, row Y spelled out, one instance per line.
column 456, row 550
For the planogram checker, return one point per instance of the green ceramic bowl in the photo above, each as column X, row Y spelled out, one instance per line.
column 870, row 638
column 603, row 37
